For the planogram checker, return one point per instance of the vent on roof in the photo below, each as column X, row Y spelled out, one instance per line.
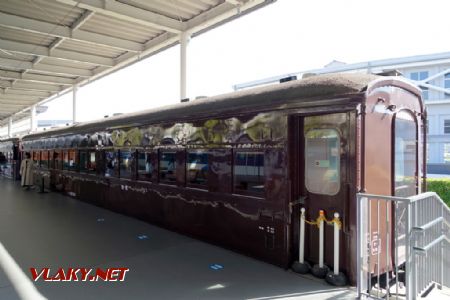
column 289, row 78
column 184, row 100
column 389, row 73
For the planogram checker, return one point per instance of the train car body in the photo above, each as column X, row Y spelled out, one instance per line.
column 235, row 169
column 10, row 158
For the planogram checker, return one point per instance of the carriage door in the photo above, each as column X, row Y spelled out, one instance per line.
column 324, row 179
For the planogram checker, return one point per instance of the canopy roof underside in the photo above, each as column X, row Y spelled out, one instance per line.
column 48, row 46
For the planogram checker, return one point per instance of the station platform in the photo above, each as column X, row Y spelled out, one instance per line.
column 55, row 231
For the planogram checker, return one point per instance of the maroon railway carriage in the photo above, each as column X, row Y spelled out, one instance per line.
column 235, row 169
column 10, row 158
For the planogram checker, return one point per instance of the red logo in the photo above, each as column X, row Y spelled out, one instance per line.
column 79, row 274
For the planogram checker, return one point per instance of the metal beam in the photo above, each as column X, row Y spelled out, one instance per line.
column 32, row 49
column 59, row 70
column 20, row 97
column 129, row 13
column 74, row 104
column 15, row 102
column 39, row 94
column 15, row 64
column 37, row 87
column 73, row 33
column 12, row 75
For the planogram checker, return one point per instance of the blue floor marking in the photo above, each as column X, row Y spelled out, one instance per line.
column 142, row 237
column 216, row 267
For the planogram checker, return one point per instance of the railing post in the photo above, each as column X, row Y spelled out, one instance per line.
column 409, row 255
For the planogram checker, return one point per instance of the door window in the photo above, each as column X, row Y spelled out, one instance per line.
column 322, row 161
column 405, row 155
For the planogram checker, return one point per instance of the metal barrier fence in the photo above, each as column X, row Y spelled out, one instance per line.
column 403, row 245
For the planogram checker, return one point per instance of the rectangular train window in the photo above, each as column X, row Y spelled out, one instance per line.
column 65, row 155
column 112, row 164
column 405, row 154
column 36, row 158
column 51, row 161
column 44, row 159
column 84, row 161
column 73, row 160
column 147, row 166
column 126, row 160
column 57, row 160
column 197, row 168
column 322, row 161
column 92, row 164
column 167, row 167
column 248, row 173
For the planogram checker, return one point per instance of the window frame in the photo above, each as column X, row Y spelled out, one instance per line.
column 338, row 169
column 133, row 168
column 76, row 160
column 154, row 159
column 242, row 192
column 197, row 185
column 446, row 126
column 165, row 181
column 413, row 118
column 116, row 169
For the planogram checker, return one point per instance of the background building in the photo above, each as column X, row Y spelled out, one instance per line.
column 430, row 72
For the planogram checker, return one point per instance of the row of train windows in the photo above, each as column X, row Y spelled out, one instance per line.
column 161, row 166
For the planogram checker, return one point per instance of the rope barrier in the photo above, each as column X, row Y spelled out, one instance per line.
column 322, row 217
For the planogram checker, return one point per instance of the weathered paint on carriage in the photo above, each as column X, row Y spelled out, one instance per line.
column 272, row 120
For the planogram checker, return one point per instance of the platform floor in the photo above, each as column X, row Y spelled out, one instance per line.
column 52, row 230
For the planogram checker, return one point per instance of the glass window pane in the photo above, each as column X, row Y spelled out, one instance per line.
column 65, row 160
column 73, row 160
column 197, row 168
column 126, row 164
column 83, row 161
column 147, row 166
column 36, row 158
column 248, row 171
column 44, row 159
column 415, row 76
column 405, row 155
column 112, row 164
column 446, row 126
column 57, row 159
column 423, row 75
column 167, row 167
column 322, row 161
column 92, row 164
column 447, row 153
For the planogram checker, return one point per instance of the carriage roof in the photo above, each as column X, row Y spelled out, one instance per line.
column 266, row 98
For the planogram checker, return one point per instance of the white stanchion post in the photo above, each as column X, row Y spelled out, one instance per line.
column 336, row 245
column 321, row 213
column 301, row 250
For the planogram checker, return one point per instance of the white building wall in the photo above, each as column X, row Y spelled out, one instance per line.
column 438, row 108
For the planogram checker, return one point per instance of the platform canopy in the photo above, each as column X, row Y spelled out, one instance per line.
column 49, row 47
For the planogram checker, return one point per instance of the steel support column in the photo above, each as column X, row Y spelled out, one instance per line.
column 184, row 40
column 33, row 120
column 10, row 124
column 74, row 104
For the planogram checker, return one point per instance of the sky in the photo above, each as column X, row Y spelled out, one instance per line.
column 285, row 37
